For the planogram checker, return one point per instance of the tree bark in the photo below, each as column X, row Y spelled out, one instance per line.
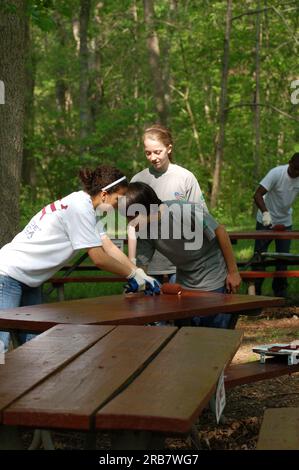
column 28, row 166
column 222, row 116
column 13, row 39
column 96, row 85
column 154, row 61
column 85, row 6
column 256, row 98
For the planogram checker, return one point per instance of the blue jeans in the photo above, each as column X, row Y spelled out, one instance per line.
column 279, row 285
column 16, row 294
column 219, row 320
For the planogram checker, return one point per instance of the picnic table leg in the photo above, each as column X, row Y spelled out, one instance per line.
column 36, row 441
column 10, row 438
column 42, row 438
column 60, row 290
column 47, row 440
column 251, row 288
column 136, row 440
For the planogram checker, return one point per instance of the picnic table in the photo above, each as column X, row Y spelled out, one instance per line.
column 264, row 235
column 135, row 380
column 135, row 309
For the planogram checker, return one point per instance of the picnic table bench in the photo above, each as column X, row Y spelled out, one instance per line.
column 136, row 380
column 254, row 371
column 279, row 430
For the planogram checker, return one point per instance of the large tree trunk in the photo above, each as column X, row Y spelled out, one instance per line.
column 85, row 6
column 222, row 117
column 154, row 61
column 13, row 38
column 28, row 166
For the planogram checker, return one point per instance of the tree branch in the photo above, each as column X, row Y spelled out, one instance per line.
column 283, row 113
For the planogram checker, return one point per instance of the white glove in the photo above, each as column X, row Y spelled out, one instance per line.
column 136, row 280
column 140, row 281
column 267, row 219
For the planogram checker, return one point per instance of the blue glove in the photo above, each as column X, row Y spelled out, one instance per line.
column 139, row 281
column 152, row 288
column 131, row 286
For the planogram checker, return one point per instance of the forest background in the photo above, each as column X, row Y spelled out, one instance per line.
column 84, row 77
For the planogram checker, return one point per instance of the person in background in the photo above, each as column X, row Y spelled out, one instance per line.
column 56, row 233
column 274, row 198
column 169, row 181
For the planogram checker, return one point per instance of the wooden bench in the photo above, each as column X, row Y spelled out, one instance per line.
column 240, row 374
column 250, row 276
column 133, row 378
column 279, row 430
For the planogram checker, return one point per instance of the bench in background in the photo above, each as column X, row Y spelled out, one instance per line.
column 279, row 430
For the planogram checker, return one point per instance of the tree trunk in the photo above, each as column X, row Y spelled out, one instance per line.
column 154, row 61
column 84, row 75
column 13, row 24
column 222, row 117
column 96, row 85
column 136, row 69
column 256, row 100
column 28, row 166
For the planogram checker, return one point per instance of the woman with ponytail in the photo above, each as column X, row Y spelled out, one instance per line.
column 170, row 182
column 56, row 233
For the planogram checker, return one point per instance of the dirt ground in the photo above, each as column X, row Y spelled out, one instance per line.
column 245, row 404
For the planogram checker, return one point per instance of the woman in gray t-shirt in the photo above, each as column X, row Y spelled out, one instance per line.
column 169, row 181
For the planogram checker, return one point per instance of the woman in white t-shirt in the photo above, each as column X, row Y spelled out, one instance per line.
column 170, row 182
column 56, row 233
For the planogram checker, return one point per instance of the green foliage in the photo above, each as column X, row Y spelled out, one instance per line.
column 121, row 97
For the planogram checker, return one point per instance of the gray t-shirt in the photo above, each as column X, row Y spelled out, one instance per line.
column 203, row 268
column 282, row 191
column 176, row 183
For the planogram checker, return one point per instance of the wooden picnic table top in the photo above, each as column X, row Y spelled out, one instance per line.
column 85, row 377
column 265, row 235
column 134, row 309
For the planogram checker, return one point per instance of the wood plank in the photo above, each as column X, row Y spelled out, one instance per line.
column 267, row 274
column 240, row 374
column 135, row 309
column 279, row 430
column 170, row 393
column 70, row 397
column 265, row 235
column 32, row 362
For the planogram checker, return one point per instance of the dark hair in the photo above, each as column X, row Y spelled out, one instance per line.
column 94, row 181
column 141, row 193
column 295, row 158
column 160, row 133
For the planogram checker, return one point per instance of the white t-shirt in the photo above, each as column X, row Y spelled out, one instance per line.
column 282, row 191
column 175, row 183
column 51, row 238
